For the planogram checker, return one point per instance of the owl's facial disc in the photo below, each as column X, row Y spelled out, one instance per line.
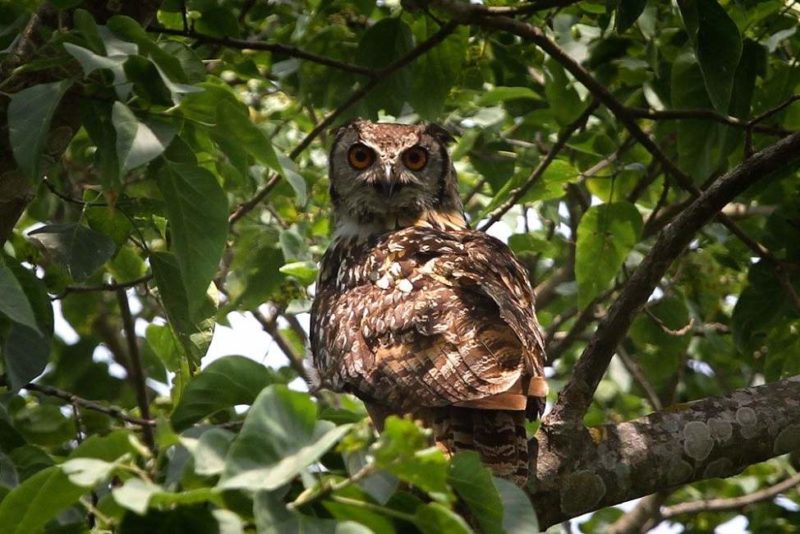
column 382, row 169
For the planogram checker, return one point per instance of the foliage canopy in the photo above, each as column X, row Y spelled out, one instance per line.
column 164, row 165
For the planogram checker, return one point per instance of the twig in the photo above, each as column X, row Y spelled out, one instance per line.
column 677, row 332
column 528, row 8
column 135, row 362
column 639, row 377
column 329, row 487
column 113, row 286
column 706, row 114
column 642, row 514
column 111, row 411
column 541, row 167
column 734, row 503
column 246, row 207
column 278, row 48
column 391, row 512
column 270, row 325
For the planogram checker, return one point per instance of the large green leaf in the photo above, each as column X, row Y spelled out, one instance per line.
column 473, row 483
column 718, row 45
column 29, row 506
column 698, row 140
column 561, row 93
column 138, row 142
column 29, row 114
column 403, row 451
column 15, row 304
column 386, row 41
column 197, row 209
column 606, row 234
column 438, row 70
column 223, row 384
column 519, row 516
column 433, row 518
column 193, row 331
column 279, row 439
column 81, row 250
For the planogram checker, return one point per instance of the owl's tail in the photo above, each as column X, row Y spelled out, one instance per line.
column 497, row 435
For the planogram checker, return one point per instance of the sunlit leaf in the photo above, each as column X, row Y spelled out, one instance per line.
column 606, row 235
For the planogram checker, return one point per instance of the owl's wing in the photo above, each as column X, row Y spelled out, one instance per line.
column 427, row 318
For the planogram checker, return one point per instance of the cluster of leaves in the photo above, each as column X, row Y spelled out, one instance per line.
column 178, row 168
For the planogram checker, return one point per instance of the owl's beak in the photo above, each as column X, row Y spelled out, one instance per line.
column 386, row 186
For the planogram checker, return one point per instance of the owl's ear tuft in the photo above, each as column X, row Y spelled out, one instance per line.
column 336, row 131
column 439, row 133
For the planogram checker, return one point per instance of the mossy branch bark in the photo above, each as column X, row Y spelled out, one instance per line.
column 578, row 470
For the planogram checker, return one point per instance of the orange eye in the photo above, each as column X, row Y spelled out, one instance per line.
column 415, row 158
column 360, row 156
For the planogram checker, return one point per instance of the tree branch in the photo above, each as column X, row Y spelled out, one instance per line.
column 111, row 411
column 276, row 48
column 135, row 363
column 515, row 195
column 577, row 395
column 735, row 503
column 578, row 470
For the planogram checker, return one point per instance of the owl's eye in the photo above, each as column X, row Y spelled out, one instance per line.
column 415, row 158
column 360, row 156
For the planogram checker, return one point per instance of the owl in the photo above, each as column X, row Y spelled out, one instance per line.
column 416, row 313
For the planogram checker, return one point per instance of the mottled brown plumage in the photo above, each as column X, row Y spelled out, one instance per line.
column 416, row 313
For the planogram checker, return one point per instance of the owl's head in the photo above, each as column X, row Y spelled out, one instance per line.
column 380, row 170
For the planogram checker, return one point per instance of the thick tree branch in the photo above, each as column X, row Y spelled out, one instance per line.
column 578, row 470
column 577, row 395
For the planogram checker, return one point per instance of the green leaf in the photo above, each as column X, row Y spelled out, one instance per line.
column 272, row 517
column 26, row 351
column 438, row 70
column 81, row 250
column 497, row 95
column 560, row 93
column 627, row 13
column 14, row 303
column 552, row 182
column 717, row 44
column 473, row 484
column 606, row 234
column 698, row 140
column 380, row 45
column 298, row 183
column 87, row 472
column 29, row 506
column 209, row 451
column 433, row 518
column 135, row 494
column 519, row 516
column 402, row 451
column 279, row 439
column 234, row 123
column 762, row 303
column 304, row 271
column 29, row 114
column 91, row 62
column 165, row 345
column 138, row 142
column 194, row 333
column 197, row 209
column 96, row 118
column 223, row 384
